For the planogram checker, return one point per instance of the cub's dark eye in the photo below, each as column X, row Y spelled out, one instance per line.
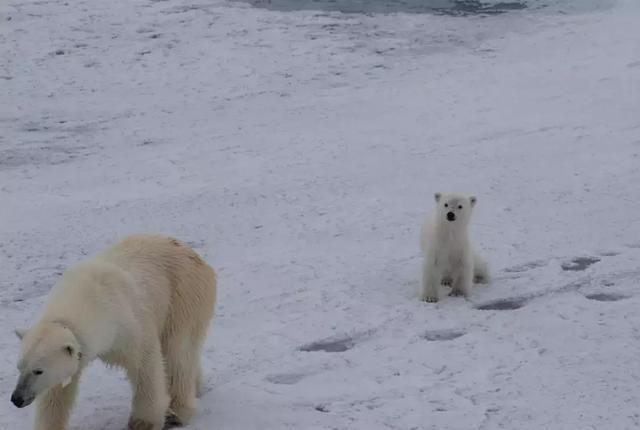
column 38, row 372
column 446, row 205
column 459, row 206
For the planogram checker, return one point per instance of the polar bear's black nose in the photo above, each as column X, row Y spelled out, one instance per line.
column 17, row 400
column 451, row 216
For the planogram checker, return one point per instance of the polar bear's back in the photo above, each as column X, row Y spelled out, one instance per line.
column 172, row 280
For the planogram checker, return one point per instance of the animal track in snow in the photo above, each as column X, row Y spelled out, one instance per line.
column 322, row 408
column 330, row 345
column 502, row 304
column 286, row 378
column 525, row 266
column 606, row 297
column 336, row 344
column 579, row 264
column 447, row 334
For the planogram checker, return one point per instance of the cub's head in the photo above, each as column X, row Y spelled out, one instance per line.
column 50, row 356
column 454, row 208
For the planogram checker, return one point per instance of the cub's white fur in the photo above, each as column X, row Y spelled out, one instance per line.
column 448, row 256
column 144, row 305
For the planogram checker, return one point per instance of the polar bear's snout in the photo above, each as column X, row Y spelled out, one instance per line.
column 451, row 216
column 18, row 400
column 22, row 396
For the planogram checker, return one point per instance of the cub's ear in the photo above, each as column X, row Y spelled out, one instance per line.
column 21, row 332
column 473, row 200
column 437, row 196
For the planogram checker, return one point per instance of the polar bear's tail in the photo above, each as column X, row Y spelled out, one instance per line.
column 481, row 273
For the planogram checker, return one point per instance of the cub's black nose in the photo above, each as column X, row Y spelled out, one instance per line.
column 17, row 400
column 451, row 216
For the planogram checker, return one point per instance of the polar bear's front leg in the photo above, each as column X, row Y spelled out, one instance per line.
column 54, row 407
column 150, row 398
column 430, row 281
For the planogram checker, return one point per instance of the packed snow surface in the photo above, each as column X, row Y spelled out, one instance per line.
column 298, row 151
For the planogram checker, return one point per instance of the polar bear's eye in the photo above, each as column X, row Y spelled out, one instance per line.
column 38, row 372
column 459, row 206
column 446, row 205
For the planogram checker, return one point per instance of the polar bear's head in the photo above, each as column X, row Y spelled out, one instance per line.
column 50, row 356
column 454, row 208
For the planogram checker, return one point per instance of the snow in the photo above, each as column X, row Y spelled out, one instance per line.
column 298, row 151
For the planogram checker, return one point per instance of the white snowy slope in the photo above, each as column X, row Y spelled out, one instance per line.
column 299, row 152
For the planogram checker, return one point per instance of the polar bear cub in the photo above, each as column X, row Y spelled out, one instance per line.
column 448, row 256
column 144, row 305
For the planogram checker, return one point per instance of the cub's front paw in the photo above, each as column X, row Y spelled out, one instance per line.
column 429, row 299
column 447, row 282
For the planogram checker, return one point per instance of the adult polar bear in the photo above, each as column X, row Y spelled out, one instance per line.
column 145, row 305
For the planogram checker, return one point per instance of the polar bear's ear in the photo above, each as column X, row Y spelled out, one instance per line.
column 21, row 332
column 437, row 196
column 72, row 350
column 473, row 200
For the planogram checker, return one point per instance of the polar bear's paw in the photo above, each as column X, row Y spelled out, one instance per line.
column 480, row 279
column 171, row 420
column 138, row 424
column 429, row 299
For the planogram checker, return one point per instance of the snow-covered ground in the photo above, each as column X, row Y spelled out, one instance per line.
column 299, row 152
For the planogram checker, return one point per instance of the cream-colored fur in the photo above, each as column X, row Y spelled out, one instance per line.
column 448, row 256
column 143, row 304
